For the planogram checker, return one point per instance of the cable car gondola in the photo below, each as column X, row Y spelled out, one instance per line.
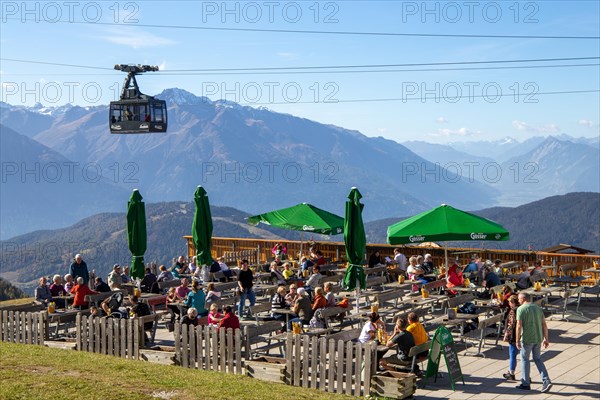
column 136, row 112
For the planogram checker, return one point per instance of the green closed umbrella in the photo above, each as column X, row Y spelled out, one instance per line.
column 356, row 242
column 136, row 233
column 202, row 227
column 445, row 223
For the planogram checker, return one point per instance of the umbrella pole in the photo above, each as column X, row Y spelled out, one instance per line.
column 357, row 295
column 301, row 240
column 446, row 258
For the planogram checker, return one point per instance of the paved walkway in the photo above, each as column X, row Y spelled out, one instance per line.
column 572, row 361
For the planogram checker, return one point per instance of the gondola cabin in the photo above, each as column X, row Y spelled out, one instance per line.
column 136, row 112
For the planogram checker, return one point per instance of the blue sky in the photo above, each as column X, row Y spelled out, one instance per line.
column 95, row 34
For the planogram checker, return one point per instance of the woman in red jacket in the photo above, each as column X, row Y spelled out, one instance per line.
column 455, row 276
column 80, row 291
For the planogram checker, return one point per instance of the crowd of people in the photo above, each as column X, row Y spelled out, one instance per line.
column 301, row 293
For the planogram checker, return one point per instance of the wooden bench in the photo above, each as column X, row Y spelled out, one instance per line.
column 96, row 299
column 261, row 335
column 376, row 271
column 560, row 306
column 346, row 318
column 261, row 312
column 372, row 283
column 158, row 304
column 458, row 301
column 484, row 328
column 346, row 336
column 435, row 286
column 169, row 284
column 389, row 298
column 147, row 319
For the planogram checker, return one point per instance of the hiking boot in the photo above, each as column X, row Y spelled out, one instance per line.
column 546, row 386
column 508, row 376
column 523, row 387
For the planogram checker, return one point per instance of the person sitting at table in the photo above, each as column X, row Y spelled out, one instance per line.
column 94, row 312
column 42, row 292
column 57, row 289
column 427, row 265
column 375, row 260
column 314, row 280
column 506, row 293
column 182, row 290
column 230, row 320
column 471, row 267
column 491, row 279
column 178, row 267
column 115, row 279
column 404, row 340
column 164, row 275
column 276, row 276
column 148, row 283
column 190, row 318
column 173, row 307
column 329, row 295
column 68, row 283
column 305, row 265
column 369, row 329
column 290, row 298
column 319, row 259
column 125, row 275
column 278, row 303
column 197, row 299
column 537, row 273
column 224, row 268
column 141, row 309
column 302, row 308
column 420, row 264
column 80, row 291
column 319, row 301
column 214, row 316
column 523, row 279
column 415, row 273
column 280, row 251
column 100, row 286
column 113, row 305
column 211, row 293
column 419, row 333
column 287, row 272
column 455, row 277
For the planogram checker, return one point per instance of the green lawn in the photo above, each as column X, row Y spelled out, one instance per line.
column 33, row 372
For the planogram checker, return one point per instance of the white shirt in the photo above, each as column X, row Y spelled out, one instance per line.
column 400, row 261
column 364, row 334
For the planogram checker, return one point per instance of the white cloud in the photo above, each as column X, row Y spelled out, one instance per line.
column 135, row 38
column 162, row 66
column 586, row 123
column 441, row 120
column 523, row 126
column 463, row 132
column 382, row 130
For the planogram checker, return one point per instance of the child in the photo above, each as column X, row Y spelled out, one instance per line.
column 214, row 316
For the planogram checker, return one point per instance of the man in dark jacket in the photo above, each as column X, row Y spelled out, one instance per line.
column 79, row 268
column 101, row 286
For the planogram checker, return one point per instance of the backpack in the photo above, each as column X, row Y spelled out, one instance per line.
column 215, row 267
column 467, row 308
column 317, row 321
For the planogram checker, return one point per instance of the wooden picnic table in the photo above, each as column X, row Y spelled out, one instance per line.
column 567, row 280
column 594, row 273
column 62, row 316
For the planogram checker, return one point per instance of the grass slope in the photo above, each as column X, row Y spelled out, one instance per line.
column 33, row 372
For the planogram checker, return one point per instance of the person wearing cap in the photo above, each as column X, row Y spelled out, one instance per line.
column 197, row 299
column 115, row 280
column 79, row 269
column 302, row 308
column 245, row 283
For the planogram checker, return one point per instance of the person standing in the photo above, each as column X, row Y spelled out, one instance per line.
column 531, row 336
column 400, row 260
column 510, row 336
column 79, row 269
column 245, row 283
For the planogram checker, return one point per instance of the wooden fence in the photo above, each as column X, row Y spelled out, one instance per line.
column 207, row 348
column 310, row 362
column 330, row 365
column 112, row 336
column 22, row 327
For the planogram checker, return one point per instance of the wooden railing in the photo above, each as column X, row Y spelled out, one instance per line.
column 336, row 252
column 22, row 327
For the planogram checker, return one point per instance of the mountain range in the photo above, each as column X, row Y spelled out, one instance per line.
column 257, row 160
column 101, row 238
